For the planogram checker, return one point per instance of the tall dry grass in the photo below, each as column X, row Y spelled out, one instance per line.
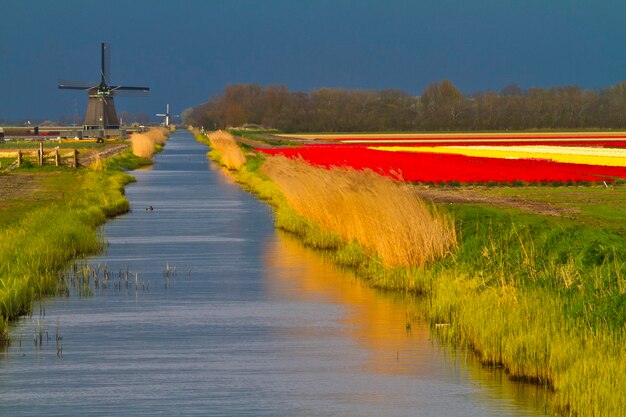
column 385, row 217
column 144, row 144
column 230, row 154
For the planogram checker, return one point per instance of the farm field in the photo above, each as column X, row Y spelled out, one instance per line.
column 551, row 136
column 492, row 168
column 474, row 158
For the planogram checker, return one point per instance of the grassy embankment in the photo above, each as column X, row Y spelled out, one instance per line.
column 55, row 221
column 543, row 296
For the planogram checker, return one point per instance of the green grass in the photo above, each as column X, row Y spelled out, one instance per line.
column 596, row 206
column 259, row 135
column 126, row 161
column 543, row 296
column 5, row 162
column 41, row 231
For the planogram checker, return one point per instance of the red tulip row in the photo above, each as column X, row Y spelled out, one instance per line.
column 442, row 168
column 498, row 142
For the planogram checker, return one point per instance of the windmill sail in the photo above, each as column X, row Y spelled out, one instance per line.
column 76, row 85
column 105, row 71
column 101, row 112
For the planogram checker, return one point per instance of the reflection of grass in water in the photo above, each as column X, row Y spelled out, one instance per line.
column 375, row 321
column 390, row 325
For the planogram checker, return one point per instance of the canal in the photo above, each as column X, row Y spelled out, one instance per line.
column 222, row 315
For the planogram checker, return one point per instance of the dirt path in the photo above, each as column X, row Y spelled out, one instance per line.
column 23, row 185
column 87, row 157
column 474, row 196
column 253, row 143
column 271, row 141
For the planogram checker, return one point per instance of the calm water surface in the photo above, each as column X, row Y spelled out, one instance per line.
column 249, row 323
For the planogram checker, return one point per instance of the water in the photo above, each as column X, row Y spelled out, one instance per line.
column 252, row 324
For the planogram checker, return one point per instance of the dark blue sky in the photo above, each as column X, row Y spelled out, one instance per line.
column 186, row 51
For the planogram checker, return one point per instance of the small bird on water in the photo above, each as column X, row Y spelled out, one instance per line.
column 149, row 208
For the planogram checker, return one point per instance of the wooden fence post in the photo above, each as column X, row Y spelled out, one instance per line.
column 19, row 158
column 57, row 158
column 40, row 153
column 75, row 158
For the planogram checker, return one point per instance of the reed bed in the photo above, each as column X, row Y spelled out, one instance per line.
column 226, row 150
column 386, row 218
column 147, row 143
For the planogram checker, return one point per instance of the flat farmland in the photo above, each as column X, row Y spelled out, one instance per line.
column 552, row 136
column 473, row 158
column 571, row 175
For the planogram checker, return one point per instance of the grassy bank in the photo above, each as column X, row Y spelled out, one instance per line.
column 544, row 296
column 55, row 221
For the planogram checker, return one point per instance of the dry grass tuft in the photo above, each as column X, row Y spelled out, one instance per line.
column 143, row 144
column 386, row 218
column 231, row 155
column 158, row 134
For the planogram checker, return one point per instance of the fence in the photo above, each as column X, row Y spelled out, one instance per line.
column 42, row 157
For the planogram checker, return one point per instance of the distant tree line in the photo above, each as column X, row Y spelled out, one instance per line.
column 442, row 106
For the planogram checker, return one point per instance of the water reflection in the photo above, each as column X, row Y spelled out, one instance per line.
column 376, row 322
column 384, row 325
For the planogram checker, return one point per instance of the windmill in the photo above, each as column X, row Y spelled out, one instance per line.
column 166, row 116
column 100, row 105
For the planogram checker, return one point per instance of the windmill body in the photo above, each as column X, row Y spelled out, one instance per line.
column 101, row 114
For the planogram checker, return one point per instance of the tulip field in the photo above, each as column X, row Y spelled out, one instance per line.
column 475, row 158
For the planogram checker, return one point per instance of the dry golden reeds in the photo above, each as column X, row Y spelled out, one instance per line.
column 230, row 154
column 386, row 218
column 143, row 143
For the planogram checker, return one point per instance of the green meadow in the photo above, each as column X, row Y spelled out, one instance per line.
column 50, row 216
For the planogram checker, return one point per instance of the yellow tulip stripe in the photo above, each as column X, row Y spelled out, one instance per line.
column 570, row 155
